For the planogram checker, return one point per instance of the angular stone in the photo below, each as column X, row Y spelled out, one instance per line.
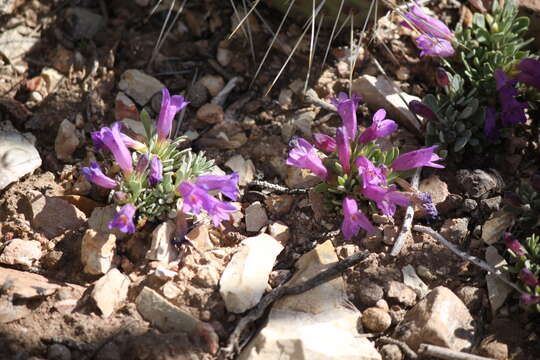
column 411, row 279
column 25, row 285
column 125, row 108
column 493, row 229
column 455, row 230
column 256, row 217
column 15, row 43
column 477, row 182
column 498, row 290
column 245, row 278
column 66, row 141
column 226, row 135
column 378, row 92
column 213, row 83
column 21, row 252
column 82, row 23
column 434, row 186
column 401, row 293
column 97, row 252
column 10, row 312
column 316, row 324
column 439, row 319
column 140, row 86
column 110, row 291
column 210, row 114
column 18, row 157
column 162, row 248
column 53, row 216
column 170, row 290
column 280, row 232
column 200, row 237
column 245, row 169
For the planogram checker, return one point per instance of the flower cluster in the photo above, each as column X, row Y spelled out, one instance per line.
column 161, row 173
column 355, row 168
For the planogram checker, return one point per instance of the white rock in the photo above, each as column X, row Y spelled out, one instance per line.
column 18, row 157
column 162, row 248
column 411, row 279
column 7, row 6
column 378, row 92
column 97, row 251
column 285, row 97
column 14, row 43
column 21, row 252
column 224, row 56
column 170, row 290
column 245, row 278
column 256, row 217
column 163, row 273
column 280, row 232
column 136, row 126
column 25, row 285
column 66, row 141
column 140, row 86
column 498, row 291
column 213, row 83
column 493, row 228
column 245, row 169
column 317, row 324
column 52, row 78
column 110, row 291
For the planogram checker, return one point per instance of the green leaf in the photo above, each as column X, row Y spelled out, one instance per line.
column 460, row 143
column 147, row 123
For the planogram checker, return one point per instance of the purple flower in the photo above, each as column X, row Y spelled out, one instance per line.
column 94, row 174
column 226, row 184
column 527, row 277
column 218, row 210
column 142, row 164
column 427, row 24
column 423, row 110
column 324, row 142
column 344, row 149
column 371, row 175
column 434, row 46
column 123, row 220
column 528, row 299
column 427, row 204
column 353, row 219
column 156, row 172
column 304, row 156
column 417, row 158
column 513, row 244
column 513, row 111
column 442, row 77
column 113, row 141
column 197, row 198
column 386, row 199
column 530, row 72
column 491, row 132
column 97, row 138
column 379, row 127
column 347, row 111
column 170, row 106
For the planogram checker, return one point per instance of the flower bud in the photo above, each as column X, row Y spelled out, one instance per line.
column 423, row 110
column 442, row 77
column 142, row 164
column 120, row 196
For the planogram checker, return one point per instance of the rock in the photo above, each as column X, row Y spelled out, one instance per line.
column 226, row 135
column 97, row 252
column 493, row 348
column 245, row 169
column 197, row 95
column 498, row 291
column 200, row 237
column 455, row 230
column 135, row 129
column 82, row 23
column 411, row 279
column 368, row 293
column 52, row 79
column 21, row 252
column 162, row 248
column 279, row 204
column 20, row 284
column 244, row 279
column 285, row 97
column 400, row 293
column 300, row 178
column 53, row 216
column 210, row 114
column 303, row 121
column 280, row 232
column 214, row 84
column 491, row 205
column 86, row 205
column 391, row 352
column 493, row 229
column 477, row 182
column 17, row 42
column 224, row 56
column 140, row 86
column 316, row 324
column 58, row 352
column 18, row 157
column 256, row 217
column 376, row 319
column 434, row 186
column 471, row 297
column 7, row 6
column 10, row 312
column 378, row 92
column 110, row 291
column 66, row 141
column 170, row 290
column 125, row 108
column 100, row 218
column 161, row 272
column 439, row 319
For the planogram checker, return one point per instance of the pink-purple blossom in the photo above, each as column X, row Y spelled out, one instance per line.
column 346, row 108
column 386, row 199
column 94, row 174
column 112, row 139
column 344, row 149
column 512, row 110
column 434, row 46
column 528, row 299
column 353, row 219
column 491, row 131
column 441, row 76
column 371, row 174
column 304, row 156
column 123, row 220
column 379, row 127
column 423, row 110
column 530, row 72
column 417, row 158
column 324, row 142
column 226, row 184
column 527, row 277
column 156, row 171
column 513, row 244
column 97, row 138
column 142, row 163
column 197, row 198
column 170, row 106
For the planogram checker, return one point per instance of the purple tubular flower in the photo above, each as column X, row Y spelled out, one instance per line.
column 218, row 210
column 379, row 127
column 347, row 111
column 386, row 199
column 226, row 184
column 97, row 138
column 434, row 46
column 113, row 141
column 123, row 220
column 528, row 299
column 156, row 172
column 353, row 219
column 423, row 110
column 491, row 132
column 94, row 174
column 371, row 175
column 442, row 77
column 170, row 106
column 513, row 111
column 427, row 204
column 344, row 149
column 527, row 277
column 304, row 156
column 427, row 24
column 513, row 244
column 324, row 142
column 142, row 164
column 530, row 72
column 197, row 198
column 417, row 158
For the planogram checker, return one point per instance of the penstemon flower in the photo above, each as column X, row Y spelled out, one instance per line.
column 304, row 156
column 346, row 108
column 156, row 172
column 529, row 72
column 170, row 106
column 324, row 142
column 513, row 111
column 353, row 219
column 380, row 127
column 344, row 149
column 417, row 158
column 113, row 141
column 123, row 220
column 94, row 174
column 225, row 184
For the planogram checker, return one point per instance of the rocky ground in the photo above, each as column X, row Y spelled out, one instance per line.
column 70, row 289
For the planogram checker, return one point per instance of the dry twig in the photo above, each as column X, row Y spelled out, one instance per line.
column 403, row 346
column 276, row 187
column 312, row 97
column 447, row 354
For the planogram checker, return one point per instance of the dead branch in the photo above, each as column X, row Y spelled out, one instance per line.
column 402, row 345
column 447, row 354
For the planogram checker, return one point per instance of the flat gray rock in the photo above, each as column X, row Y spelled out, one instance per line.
column 18, row 157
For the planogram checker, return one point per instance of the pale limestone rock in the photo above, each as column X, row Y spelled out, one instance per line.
column 244, row 280
column 210, row 114
column 498, row 290
column 318, row 324
column 170, row 290
column 213, row 83
column 16, row 42
column 21, row 252
column 245, row 169
column 256, row 217
column 455, row 230
column 376, row 319
column 162, row 248
column 97, row 251
column 110, row 291
column 434, row 186
column 66, row 141
column 200, row 237
column 411, row 279
column 401, row 293
column 280, row 232
column 140, row 86
column 21, row 284
column 18, row 157
column 52, row 78
column 493, row 229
